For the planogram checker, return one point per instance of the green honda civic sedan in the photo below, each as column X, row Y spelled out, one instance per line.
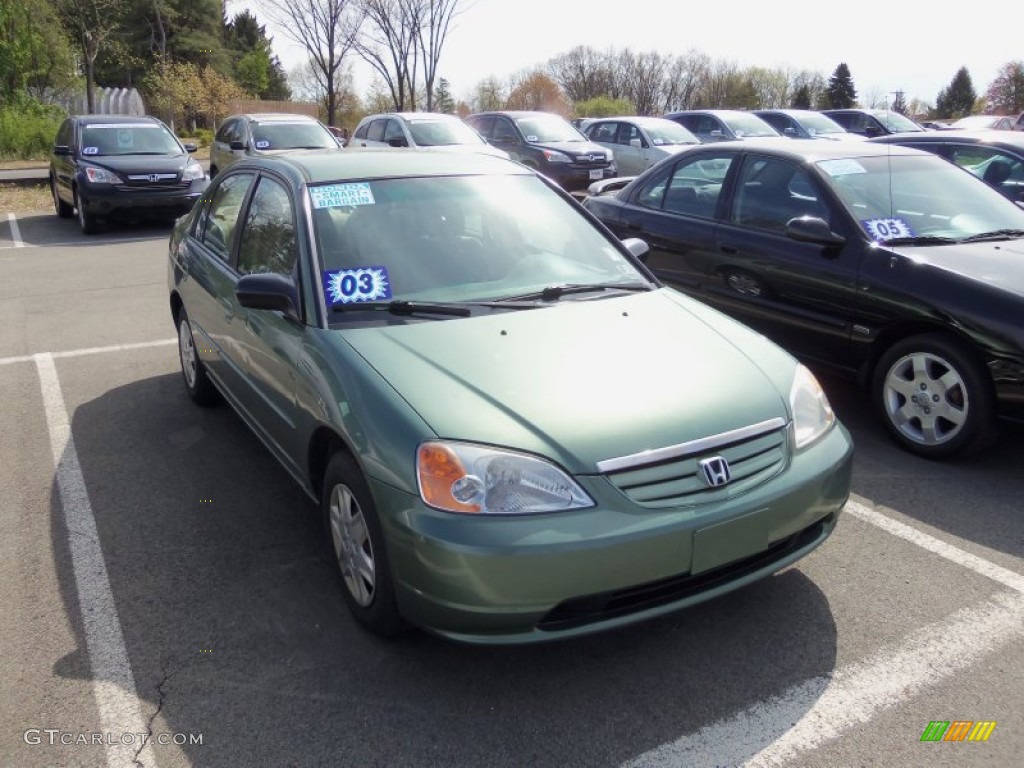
column 514, row 432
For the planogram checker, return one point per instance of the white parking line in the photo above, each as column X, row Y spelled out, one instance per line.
column 811, row 714
column 90, row 351
column 90, row 241
column 113, row 681
column 15, row 232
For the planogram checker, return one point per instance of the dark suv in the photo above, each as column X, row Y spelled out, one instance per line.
column 548, row 144
column 873, row 122
column 103, row 166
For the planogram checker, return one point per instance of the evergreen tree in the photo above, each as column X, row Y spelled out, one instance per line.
column 802, row 98
column 257, row 69
column 443, row 101
column 957, row 99
column 840, row 92
column 899, row 104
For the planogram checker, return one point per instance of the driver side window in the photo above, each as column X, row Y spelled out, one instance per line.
column 218, row 226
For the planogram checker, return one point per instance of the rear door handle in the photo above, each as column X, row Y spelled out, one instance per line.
column 633, row 226
column 731, row 249
column 229, row 309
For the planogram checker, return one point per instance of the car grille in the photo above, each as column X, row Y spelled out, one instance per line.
column 595, row 160
column 603, row 606
column 754, row 454
column 156, row 181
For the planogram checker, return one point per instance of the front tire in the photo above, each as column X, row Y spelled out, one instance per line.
column 61, row 208
column 358, row 547
column 86, row 220
column 934, row 397
column 197, row 382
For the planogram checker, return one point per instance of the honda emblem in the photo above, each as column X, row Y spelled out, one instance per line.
column 716, row 471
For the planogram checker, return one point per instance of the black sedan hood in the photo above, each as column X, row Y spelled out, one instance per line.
column 125, row 164
column 999, row 263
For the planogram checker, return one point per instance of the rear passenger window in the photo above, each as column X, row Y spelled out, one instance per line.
column 267, row 241
column 361, row 131
column 376, row 131
column 604, row 132
column 693, row 187
column 217, row 228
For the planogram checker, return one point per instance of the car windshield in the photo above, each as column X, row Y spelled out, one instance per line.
column 897, row 123
column 285, row 135
column 548, row 128
column 903, row 196
column 664, row 132
column 128, row 139
column 819, row 125
column 749, row 126
column 440, row 133
column 455, row 239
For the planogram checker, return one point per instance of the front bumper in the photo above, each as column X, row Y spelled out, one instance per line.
column 573, row 177
column 541, row 577
column 117, row 199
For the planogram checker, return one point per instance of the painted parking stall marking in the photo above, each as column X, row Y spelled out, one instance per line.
column 12, row 220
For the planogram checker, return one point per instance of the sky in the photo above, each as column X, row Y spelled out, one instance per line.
column 888, row 45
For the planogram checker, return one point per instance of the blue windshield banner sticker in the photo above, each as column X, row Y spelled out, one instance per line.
column 887, row 229
column 90, row 150
column 340, row 195
column 841, row 167
column 349, row 286
column 262, row 144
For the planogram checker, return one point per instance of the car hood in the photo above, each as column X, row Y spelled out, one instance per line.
column 480, row 149
column 999, row 264
column 125, row 164
column 574, row 147
column 579, row 381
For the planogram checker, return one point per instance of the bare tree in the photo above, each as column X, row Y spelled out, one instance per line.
column 435, row 20
column 684, row 78
column 770, row 86
column 91, row 23
column 327, row 30
column 583, row 73
column 389, row 44
column 643, row 76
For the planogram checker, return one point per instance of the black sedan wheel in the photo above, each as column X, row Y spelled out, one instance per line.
column 62, row 209
column 197, row 382
column 85, row 219
column 934, row 397
column 357, row 544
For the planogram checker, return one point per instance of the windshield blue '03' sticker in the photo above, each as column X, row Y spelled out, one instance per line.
column 348, row 286
column 887, row 229
column 841, row 167
column 90, row 150
column 262, row 144
column 340, row 195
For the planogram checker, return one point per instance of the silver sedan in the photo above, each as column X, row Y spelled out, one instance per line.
column 638, row 142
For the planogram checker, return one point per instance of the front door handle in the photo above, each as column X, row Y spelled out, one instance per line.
column 229, row 309
column 730, row 249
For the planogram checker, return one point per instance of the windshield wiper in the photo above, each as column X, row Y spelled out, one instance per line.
column 920, row 240
column 995, row 234
column 555, row 292
column 405, row 308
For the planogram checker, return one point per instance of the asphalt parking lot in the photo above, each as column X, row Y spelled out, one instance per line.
column 165, row 596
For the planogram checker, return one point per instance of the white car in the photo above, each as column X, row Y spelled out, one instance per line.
column 422, row 130
column 638, row 142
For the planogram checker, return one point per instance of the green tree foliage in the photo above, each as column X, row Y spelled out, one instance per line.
column 899, row 103
column 185, row 94
column 603, row 106
column 257, row 69
column 802, row 98
column 840, row 92
column 443, row 101
column 1006, row 92
column 93, row 26
column 36, row 56
column 957, row 99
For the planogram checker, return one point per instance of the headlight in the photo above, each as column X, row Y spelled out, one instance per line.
column 193, row 172
column 812, row 415
column 475, row 479
column 556, row 157
column 101, row 175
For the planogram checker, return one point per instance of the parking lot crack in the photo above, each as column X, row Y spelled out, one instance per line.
column 152, row 718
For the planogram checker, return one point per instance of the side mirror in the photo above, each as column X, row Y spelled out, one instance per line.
column 397, row 141
column 61, row 150
column 635, row 143
column 811, row 229
column 190, row 147
column 872, row 130
column 637, row 247
column 716, row 134
column 236, row 145
column 789, row 130
column 269, row 291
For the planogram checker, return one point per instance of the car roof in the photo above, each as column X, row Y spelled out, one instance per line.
column 723, row 112
column 1008, row 139
column 322, row 165
column 268, row 117
column 812, row 151
column 515, row 113
column 113, row 119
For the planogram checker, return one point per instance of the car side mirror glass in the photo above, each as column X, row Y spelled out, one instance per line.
column 872, row 130
column 716, row 134
column 789, row 130
column 635, row 143
column 639, row 248
column 397, row 141
column 268, row 291
column 236, row 144
column 190, row 147
column 811, row 229
column 61, row 150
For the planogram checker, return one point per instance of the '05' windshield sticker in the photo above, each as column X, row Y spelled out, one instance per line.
column 348, row 286
column 262, row 144
column 340, row 195
column 841, row 167
column 90, row 150
column 887, row 229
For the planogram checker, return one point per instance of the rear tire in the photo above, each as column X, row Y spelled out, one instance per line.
column 197, row 382
column 934, row 397
column 357, row 544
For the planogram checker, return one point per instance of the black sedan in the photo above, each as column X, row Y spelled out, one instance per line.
column 106, row 166
column 881, row 261
column 996, row 157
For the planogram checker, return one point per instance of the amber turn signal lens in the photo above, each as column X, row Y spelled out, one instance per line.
column 438, row 468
